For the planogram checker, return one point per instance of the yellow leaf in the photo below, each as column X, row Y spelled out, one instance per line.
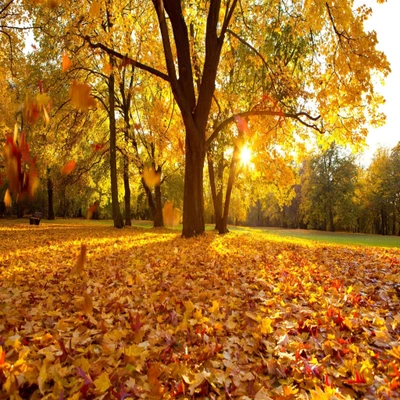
column 87, row 304
column 95, row 9
column 189, row 307
column 42, row 378
column 266, row 327
column 151, row 177
column 102, row 383
column 214, row 309
column 81, row 97
column 7, row 199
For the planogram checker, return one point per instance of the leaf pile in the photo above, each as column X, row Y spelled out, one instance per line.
column 94, row 312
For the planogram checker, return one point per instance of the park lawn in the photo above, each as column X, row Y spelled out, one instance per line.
column 89, row 311
column 343, row 238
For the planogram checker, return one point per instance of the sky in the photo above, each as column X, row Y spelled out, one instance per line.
column 384, row 21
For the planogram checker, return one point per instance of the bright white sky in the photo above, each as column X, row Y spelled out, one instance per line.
column 385, row 22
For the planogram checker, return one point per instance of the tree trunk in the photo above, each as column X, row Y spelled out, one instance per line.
column 127, row 189
column 331, row 222
column 229, row 187
column 193, row 200
column 216, row 198
column 158, row 215
column 50, row 199
column 117, row 217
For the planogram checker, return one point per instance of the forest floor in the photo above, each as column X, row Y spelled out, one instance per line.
column 91, row 312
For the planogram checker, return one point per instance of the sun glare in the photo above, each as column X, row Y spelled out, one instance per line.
column 245, row 155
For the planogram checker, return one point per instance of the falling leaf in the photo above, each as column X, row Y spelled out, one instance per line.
column 95, row 9
column 81, row 97
column 87, row 304
column 66, row 62
column 68, row 167
column 53, row 3
column 171, row 215
column 151, row 177
column 7, row 199
column 107, row 69
column 92, row 209
column 80, row 262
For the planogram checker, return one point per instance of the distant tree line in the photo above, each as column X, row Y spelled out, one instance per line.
column 335, row 193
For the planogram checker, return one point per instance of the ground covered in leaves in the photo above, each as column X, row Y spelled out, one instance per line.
column 145, row 314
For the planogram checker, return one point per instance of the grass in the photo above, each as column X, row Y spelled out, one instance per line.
column 341, row 238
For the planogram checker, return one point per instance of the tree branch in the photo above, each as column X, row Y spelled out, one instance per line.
column 295, row 116
column 127, row 59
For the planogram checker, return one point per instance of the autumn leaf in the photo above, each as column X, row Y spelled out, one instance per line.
column 7, row 199
column 171, row 215
column 92, row 209
column 66, row 62
column 80, row 262
column 87, row 304
column 102, row 383
column 81, row 97
column 68, row 167
column 95, row 9
column 151, row 177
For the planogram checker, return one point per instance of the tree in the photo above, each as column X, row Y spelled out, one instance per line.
column 311, row 56
column 328, row 190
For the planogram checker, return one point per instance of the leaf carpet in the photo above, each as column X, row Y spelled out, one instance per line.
column 90, row 312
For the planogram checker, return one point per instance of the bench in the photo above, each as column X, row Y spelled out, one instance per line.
column 35, row 218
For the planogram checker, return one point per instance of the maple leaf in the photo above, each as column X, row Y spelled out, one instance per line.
column 102, row 383
column 66, row 62
column 92, row 209
column 151, row 177
column 80, row 96
column 68, row 167
column 171, row 215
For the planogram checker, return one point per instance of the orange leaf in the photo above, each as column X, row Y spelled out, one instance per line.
column 80, row 262
column 81, row 97
column 66, row 62
column 92, row 209
column 171, row 215
column 95, row 9
column 68, row 167
column 7, row 199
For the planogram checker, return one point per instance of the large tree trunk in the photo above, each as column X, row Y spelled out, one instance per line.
column 331, row 221
column 117, row 216
column 50, row 215
column 193, row 200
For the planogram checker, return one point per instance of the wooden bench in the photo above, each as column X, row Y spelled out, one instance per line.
column 35, row 218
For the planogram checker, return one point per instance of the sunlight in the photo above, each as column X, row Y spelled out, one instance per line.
column 245, row 155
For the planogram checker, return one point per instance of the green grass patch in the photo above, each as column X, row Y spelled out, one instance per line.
column 342, row 238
